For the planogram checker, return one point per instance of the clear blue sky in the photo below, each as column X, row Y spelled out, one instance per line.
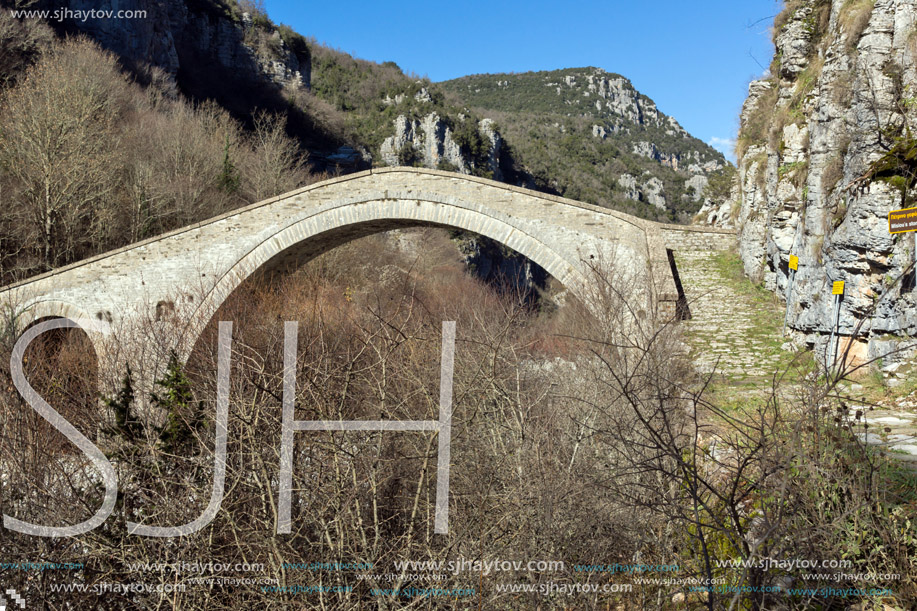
column 694, row 59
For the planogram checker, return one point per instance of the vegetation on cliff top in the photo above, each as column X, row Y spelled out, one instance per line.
column 548, row 143
column 551, row 127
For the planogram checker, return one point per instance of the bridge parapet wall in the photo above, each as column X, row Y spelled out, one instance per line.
column 687, row 238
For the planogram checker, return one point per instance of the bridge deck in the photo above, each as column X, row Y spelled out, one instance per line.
column 196, row 267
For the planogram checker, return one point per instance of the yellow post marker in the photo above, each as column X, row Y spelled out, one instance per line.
column 837, row 289
column 794, row 265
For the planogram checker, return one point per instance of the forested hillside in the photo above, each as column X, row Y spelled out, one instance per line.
column 589, row 135
column 91, row 160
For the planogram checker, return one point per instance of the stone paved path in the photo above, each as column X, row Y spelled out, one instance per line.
column 727, row 326
column 737, row 328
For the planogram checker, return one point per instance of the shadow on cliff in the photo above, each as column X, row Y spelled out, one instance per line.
column 199, row 43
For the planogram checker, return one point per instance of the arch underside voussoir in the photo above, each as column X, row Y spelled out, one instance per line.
column 318, row 233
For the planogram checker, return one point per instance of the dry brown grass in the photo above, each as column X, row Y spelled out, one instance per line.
column 853, row 19
column 832, row 174
column 761, row 171
column 822, row 17
column 817, row 22
column 912, row 43
column 789, row 9
column 755, row 129
column 806, row 81
column 793, row 110
column 842, row 90
column 573, row 454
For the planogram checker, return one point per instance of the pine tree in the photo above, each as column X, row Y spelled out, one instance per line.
column 178, row 402
column 120, row 404
column 228, row 179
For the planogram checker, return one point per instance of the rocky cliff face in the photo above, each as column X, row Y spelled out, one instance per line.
column 650, row 191
column 182, row 37
column 842, row 95
column 719, row 210
column 431, row 140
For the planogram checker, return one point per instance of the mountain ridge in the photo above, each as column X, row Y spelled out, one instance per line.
column 641, row 159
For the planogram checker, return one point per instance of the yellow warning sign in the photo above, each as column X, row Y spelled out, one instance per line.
column 837, row 288
column 794, row 262
column 901, row 221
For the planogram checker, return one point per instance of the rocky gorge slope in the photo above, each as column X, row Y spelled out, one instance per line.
column 582, row 132
column 588, row 134
column 174, row 35
column 826, row 150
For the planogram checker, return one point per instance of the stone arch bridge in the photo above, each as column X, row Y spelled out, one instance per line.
column 191, row 271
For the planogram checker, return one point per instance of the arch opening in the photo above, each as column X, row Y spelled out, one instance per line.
column 377, row 261
column 488, row 259
column 309, row 237
column 63, row 367
column 495, row 264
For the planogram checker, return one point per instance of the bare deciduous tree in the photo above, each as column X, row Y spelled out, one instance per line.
column 58, row 140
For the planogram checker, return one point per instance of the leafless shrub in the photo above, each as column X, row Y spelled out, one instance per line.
column 58, row 130
column 21, row 42
column 582, row 436
column 274, row 164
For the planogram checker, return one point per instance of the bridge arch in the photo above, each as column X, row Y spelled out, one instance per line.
column 49, row 309
column 373, row 212
column 173, row 284
column 58, row 351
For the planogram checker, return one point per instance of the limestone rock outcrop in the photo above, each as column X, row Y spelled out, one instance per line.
column 697, row 184
column 841, row 93
column 676, row 161
column 651, row 190
column 654, row 193
column 429, row 142
column 628, row 182
column 716, row 214
column 488, row 130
